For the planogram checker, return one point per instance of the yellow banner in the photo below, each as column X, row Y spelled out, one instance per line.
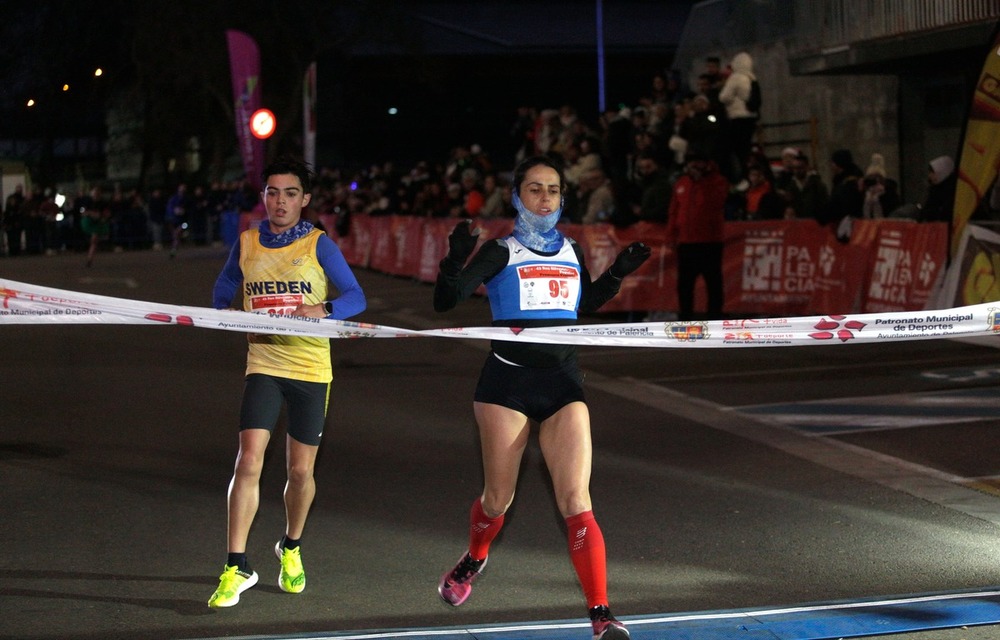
column 980, row 153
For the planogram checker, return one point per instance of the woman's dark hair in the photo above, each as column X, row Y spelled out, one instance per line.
column 298, row 168
column 528, row 164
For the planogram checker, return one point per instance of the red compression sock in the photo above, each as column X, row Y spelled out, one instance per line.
column 482, row 530
column 586, row 550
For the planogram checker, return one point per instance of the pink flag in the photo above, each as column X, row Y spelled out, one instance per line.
column 309, row 115
column 244, row 65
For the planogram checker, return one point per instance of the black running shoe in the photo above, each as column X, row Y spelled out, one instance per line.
column 605, row 625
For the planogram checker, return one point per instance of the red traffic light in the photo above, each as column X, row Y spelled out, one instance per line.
column 262, row 123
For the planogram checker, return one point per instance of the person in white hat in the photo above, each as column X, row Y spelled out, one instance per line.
column 941, row 181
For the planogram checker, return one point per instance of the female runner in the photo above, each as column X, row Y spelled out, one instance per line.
column 535, row 277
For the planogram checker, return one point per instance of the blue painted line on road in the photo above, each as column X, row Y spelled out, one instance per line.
column 845, row 619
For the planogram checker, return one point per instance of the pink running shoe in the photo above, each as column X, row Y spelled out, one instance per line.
column 456, row 585
column 605, row 625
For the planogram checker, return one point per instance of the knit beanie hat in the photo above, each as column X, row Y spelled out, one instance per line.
column 877, row 167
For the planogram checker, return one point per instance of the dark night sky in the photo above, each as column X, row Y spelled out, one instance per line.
column 459, row 80
column 464, row 102
column 480, row 61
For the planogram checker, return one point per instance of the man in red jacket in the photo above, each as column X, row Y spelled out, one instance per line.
column 695, row 225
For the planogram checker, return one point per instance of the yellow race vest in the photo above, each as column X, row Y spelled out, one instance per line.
column 275, row 281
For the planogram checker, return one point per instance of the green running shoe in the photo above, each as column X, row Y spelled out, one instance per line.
column 292, row 578
column 231, row 584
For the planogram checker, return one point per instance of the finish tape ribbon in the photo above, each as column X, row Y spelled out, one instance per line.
column 22, row 303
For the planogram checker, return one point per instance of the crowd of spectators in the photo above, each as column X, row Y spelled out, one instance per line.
column 621, row 168
column 43, row 221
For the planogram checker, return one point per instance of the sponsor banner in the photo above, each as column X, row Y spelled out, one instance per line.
column 905, row 263
column 653, row 286
column 433, row 247
column 22, row 303
column 770, row 268
column 776, row 266
column 840, row 271
column 398, row 242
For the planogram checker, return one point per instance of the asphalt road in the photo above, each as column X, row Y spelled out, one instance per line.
column 723, row 479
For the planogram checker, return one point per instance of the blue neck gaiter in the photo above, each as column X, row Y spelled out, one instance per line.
column 534, row 231
column 286, row 237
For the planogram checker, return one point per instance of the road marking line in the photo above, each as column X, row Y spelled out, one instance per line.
column 923, row 482
column 941, row 488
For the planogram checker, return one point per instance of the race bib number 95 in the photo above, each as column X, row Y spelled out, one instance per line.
column 545, row 287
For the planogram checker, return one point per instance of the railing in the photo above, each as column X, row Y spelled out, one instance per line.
column 775, row 136
column 829, row 24
column 814, row 26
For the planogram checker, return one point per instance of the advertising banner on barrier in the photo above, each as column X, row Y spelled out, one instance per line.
column 906, row 261
column 770, row 268
column 775, row 265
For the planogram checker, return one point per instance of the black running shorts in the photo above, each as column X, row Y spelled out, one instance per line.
column 536, row 392
column 305, row 403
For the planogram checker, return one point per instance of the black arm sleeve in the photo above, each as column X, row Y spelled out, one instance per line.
column 455, row 284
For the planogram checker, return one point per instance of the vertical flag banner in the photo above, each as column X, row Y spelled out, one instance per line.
column 980, row 152
column 309, row 116
column 244, row 67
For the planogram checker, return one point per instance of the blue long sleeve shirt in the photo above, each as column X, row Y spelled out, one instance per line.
column 351, row 299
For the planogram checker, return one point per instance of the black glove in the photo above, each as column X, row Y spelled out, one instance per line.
column 630, row 259
column 461, row 242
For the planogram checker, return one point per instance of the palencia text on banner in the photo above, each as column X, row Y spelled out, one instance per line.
column 22, row 303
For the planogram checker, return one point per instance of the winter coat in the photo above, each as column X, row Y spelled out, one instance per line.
column 736, row 91
column 697, row 209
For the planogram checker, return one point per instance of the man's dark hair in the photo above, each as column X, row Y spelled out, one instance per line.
column 298, row 168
